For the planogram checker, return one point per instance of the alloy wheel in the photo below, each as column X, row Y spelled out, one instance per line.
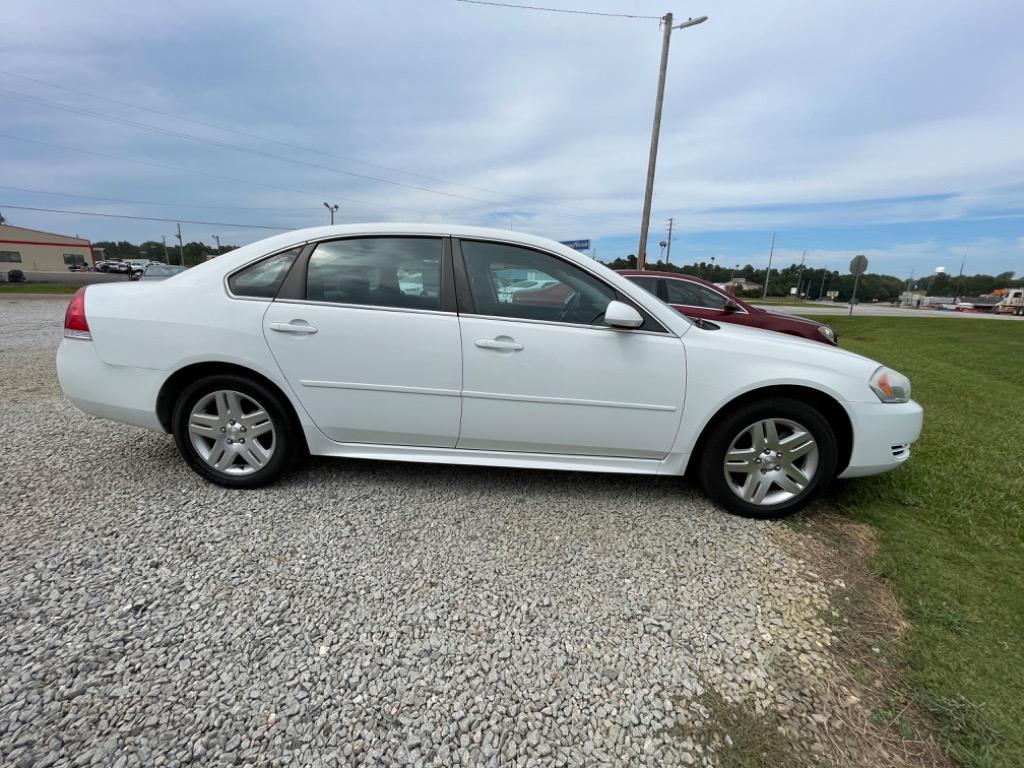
column 771, row 461
column 231, row 432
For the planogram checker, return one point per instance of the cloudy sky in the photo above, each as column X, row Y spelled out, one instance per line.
column 890, row 129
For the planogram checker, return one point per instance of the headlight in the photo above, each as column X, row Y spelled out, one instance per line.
column 890, row 386
column 828, row 332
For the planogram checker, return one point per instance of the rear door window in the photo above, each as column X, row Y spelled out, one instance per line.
column 396, row 272
column 649, row 284
column 693, row 295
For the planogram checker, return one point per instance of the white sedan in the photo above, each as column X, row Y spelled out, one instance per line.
column 397, row 341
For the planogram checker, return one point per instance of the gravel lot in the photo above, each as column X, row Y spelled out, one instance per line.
column 370, row 613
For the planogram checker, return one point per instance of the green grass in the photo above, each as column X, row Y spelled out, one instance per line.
column 38, row 288
column 951, row 525
column 784, row 300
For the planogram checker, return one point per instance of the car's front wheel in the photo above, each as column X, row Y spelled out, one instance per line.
column 234, row 431
column 768, row 459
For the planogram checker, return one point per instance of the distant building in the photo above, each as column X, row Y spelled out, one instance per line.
column 912, row 299
column 739, row 284
column 34, row 251
column 929, row 301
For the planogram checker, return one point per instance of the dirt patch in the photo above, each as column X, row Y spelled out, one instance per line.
column 872, row 717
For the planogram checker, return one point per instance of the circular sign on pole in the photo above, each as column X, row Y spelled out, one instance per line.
column 857, row 266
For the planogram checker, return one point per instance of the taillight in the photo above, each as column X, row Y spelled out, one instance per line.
column 75, row 324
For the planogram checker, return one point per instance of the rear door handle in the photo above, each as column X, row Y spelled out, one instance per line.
column 504, row 344
column 293, row 327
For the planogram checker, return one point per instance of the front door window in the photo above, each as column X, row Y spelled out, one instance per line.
column 520, row 283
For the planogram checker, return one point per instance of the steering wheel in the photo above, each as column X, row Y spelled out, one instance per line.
column 570, row 307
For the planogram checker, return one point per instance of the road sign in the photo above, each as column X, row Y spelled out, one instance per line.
column 577, row 245
column 858, row 265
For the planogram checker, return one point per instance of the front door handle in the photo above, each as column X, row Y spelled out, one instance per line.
column 294, row 327
column 501, row 343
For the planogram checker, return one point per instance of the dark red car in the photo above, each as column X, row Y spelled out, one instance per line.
column 694, row 297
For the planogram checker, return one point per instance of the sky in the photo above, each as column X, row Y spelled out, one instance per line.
column 895, row 130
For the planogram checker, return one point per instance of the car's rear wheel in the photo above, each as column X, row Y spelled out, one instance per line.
column 769, row 459
column 234, row 431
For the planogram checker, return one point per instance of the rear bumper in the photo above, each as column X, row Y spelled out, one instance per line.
column 882, row 435
column 116, row 392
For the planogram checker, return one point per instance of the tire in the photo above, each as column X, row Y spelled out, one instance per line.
column 791, row 469
column 225, row 408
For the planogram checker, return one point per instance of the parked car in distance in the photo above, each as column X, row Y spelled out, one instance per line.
column 117, row 266
column 157, row 271
column 325, row 341
column 698, row 298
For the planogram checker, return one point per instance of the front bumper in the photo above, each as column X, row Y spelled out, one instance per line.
column 882, row 435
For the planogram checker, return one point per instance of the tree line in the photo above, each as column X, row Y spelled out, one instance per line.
column 815, row 283
column 155, row 250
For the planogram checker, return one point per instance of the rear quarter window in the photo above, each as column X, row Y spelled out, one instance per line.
column 263, row 279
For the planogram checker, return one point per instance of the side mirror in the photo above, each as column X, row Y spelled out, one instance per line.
column 732, row 306
column 619, row 315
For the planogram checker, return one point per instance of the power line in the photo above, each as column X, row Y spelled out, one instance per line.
column 152, row 202
column 180, row 169
column 560, row 10
column 299, row 147
column 146, row 218
column 224, row 145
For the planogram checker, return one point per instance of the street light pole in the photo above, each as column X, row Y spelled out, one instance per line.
column 331, row 209
column 668, row 254
column 167, row 257
column 216, row 239
column 645, row 223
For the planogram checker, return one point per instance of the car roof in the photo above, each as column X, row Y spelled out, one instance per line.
column 301, row 236
column 676, row 275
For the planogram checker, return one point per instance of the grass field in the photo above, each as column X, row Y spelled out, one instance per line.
column 37, row 288
column 951, row 525
column 788, row 301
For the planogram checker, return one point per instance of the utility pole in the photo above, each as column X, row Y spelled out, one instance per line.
column 167, row 257
column 800, row 274
column 645, row 222
column 332, row 209
column 959, row 277
column 768, row 274
column 216, row 239
column 668, row 253
column 821, row 291
column 181, row 246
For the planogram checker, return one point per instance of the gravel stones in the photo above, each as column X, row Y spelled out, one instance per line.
column 365, row 613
